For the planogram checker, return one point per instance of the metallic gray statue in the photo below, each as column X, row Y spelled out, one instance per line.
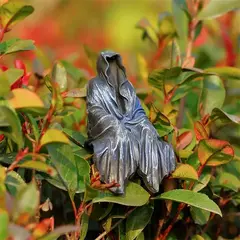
column 123, row 139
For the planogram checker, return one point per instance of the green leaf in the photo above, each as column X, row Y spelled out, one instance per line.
column 203, row 180
column 4, row 219
column 7, row 158
column 14, row 182
column 7, row 78
column 135, row 195
column 213, row 94
column 140, row 236
column 162, row 124
column 91, row 55
column 73, row 171
column 16, row 45
column 26, row 202
column 216, row 8
column 148, row 31
column 74, row 72
column 59, row 231
column 24, row 98
column 228, row 181
column 181, row 22
column 199, row 216
column 39, row 166
column 185, row 171
column 10, row 124
column 157, row 78
column 59, row 76
column 228, row 73
column 197, row 237
column 34, row 126
column 53, row 135
column 218, row 114
column 75, row 136
column 214, row 152
column 13, row 12
column 84, row 226
column 191, row 198
column 166, row 26
column 137, row 221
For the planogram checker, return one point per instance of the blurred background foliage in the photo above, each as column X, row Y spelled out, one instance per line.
column 74, row 31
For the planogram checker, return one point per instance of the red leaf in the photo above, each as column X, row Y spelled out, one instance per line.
column 4, row 68
column 20, row 65
column 2, row 137
column 200, row 131
column 184, row 140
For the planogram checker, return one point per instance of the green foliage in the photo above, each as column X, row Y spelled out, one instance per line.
column 47, row 174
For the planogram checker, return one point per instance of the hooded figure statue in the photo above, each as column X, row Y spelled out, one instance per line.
column 123, row 139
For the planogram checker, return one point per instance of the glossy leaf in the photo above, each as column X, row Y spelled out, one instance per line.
column 203, row 180
column 74, row 72
column 199, row 216
column 218, row 114
column 181, row 22
column 200, row 131
column 135, row 195
column 184, row 139
column 13, row 12
column 7, row 78
column 216, row 8
column 227, row 181
column 191, row 198
column 156, row 79
column 84, row 226
column 24, row 98
column 214, row 152
column 137, row 221
column 185, row 171
column 75, row 136
column 73, row 171
column 213, row 94
column 59, row 76
column 16, row 45
column 10, row 124
column 140, row 236
column 39, row 166
column 14, row 182
column 4, row 219
column 53, row 135
column 26, row 203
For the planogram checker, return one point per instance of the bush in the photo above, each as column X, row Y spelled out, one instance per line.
column 49, row 186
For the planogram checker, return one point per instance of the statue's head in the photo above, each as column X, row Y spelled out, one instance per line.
column 109, row 63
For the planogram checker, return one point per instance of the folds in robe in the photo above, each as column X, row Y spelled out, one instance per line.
column 123, row 139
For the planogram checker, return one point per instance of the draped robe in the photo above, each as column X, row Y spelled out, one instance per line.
column 123, row 139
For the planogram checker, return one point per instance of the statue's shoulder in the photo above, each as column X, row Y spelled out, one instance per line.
column 94, row 82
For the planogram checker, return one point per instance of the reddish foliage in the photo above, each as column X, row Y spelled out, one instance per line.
column 202, row 38
column 24, row 79
column 200, row 131
column 184, row 140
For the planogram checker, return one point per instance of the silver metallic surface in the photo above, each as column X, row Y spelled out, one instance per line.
column 123, row 139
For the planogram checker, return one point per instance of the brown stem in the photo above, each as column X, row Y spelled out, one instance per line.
column 115, row 225
column 169, row 228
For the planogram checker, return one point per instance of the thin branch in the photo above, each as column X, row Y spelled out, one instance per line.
column 115, row 225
